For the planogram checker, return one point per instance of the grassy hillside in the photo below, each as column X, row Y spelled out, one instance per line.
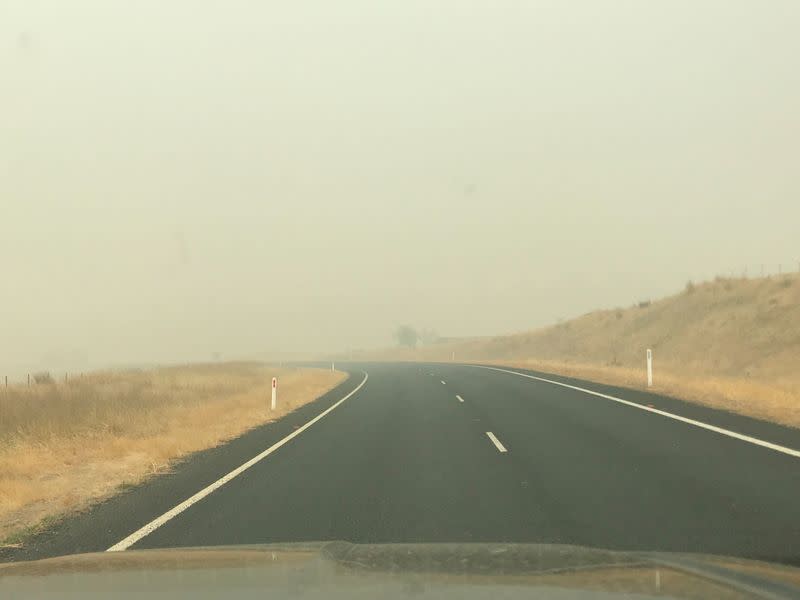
column 731, row 343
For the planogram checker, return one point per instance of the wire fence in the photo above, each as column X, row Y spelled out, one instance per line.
column 756, row 271
column 38, row 378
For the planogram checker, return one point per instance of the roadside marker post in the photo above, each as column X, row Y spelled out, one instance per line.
column 649, row 368
column 274, row 392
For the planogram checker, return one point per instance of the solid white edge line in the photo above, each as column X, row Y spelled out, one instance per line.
column 496, row 442
column 175, row 511
column 460, row 399
column 663, row 413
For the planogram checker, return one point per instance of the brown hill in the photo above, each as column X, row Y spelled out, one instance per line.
column 730, row 343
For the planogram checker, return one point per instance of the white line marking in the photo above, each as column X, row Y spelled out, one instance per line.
column 496, row 442
column 174, row 512
column 460, row 399
column 443, row 383
column 663, row 413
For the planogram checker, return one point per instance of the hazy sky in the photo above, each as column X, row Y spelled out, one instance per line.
column 179, row 178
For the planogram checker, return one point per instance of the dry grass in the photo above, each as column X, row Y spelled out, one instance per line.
column 63, row 446
column 730, row 343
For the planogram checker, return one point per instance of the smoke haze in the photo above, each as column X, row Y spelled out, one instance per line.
column 184, row 179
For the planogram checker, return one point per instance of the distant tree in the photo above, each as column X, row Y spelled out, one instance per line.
column 406, row 335
column 428, row 336
column 43, row 378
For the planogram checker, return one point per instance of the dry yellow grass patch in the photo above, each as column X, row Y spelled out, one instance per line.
column 63, row 446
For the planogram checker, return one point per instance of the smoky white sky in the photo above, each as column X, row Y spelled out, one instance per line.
column 183, row 178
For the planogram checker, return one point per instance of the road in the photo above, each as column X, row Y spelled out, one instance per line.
column 434, row 453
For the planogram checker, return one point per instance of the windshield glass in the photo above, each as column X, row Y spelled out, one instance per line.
column 400, row 272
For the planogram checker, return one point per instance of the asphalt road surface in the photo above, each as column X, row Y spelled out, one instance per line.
column 456, row 453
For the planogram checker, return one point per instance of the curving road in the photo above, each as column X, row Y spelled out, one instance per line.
column 447, row 452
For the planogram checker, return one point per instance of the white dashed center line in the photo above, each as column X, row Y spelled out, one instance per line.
column 496, row 442
column 460, row 399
